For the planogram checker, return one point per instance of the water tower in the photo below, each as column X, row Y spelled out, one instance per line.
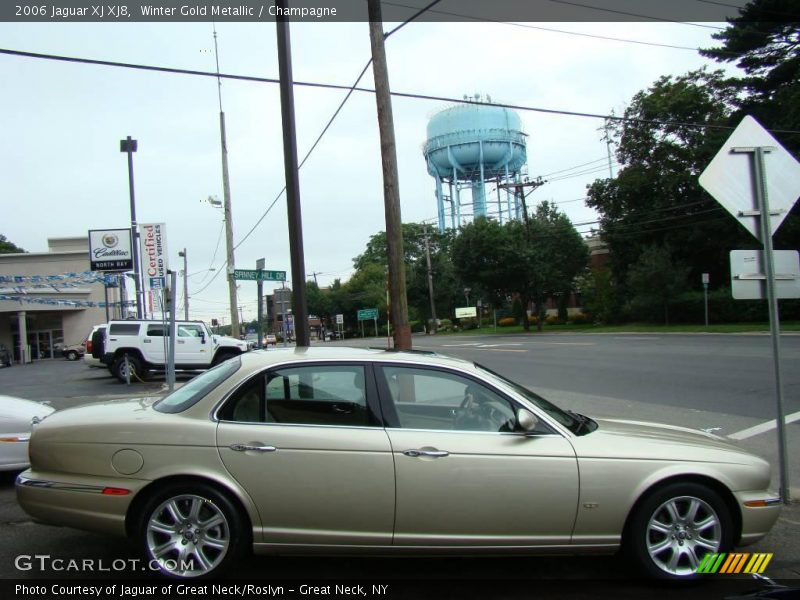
column 469, row 145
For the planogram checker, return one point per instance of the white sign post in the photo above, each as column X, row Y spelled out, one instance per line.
column 737, row 178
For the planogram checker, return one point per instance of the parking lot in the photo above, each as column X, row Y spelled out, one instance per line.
column 699, row 382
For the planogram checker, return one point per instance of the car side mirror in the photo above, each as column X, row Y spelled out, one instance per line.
column 526, row 420
column 202, row 338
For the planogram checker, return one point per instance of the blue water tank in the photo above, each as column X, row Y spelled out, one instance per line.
column 468, row 136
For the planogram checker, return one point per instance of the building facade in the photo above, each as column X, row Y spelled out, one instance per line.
column 47, row 300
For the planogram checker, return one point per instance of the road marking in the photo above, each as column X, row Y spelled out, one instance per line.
column 504, row 350
column 460, row 345
column 630, row 337
column 564, row 343
column 763, row 427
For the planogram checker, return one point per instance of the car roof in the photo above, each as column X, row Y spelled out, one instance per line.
column 344, row 353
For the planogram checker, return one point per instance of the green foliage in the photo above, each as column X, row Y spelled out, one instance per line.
column 519, row 312
column 7, row 247
column 656, row 279
column 599, row 294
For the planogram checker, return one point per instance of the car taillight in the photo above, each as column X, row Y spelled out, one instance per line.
column 89, row 346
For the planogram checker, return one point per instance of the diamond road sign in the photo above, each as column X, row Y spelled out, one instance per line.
column 258, row 275
column 728, row 176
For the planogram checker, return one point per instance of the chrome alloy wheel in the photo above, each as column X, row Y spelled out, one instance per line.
column 188, row 536
column 681, row 532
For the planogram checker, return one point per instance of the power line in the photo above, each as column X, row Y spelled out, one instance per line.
column 332, row 86
column 629, row 14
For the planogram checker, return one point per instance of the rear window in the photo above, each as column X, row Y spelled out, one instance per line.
column 123, row 329
column 197, row 388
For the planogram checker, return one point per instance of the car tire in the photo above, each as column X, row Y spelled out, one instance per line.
column 675, row 526
column 191, row 530
column 71, row 355
column 134, row 365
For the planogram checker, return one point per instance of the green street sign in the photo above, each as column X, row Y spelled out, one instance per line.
column 258, row 275
column 366, row 314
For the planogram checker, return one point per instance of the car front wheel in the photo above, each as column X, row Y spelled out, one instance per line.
column 191, row 531
column 675, row 527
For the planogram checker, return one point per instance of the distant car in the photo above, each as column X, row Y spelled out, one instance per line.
column 74, row 352
column 271, row 339
column 343, row 450
column 16, row 420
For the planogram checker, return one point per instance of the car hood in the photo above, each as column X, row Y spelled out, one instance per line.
column 17, row 414
column 643, row 440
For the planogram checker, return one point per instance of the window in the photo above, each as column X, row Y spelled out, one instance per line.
column 123, row 329
column 308, row 395
column 194, row 331
column 437, row 399
column 157, row 331
column 188, row 395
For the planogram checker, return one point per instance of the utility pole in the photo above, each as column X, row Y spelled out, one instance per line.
column 226, row 192
column 391, row 188
column 430, row 283
column 519, row 187
column 185, row 285
column 299, row 303
column 260, row 264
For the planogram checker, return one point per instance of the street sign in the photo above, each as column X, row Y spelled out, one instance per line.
column 340, row 319
column 747, row 277
column 728, row 177
column 157, row 283
column 365, row 314
column 258, row 275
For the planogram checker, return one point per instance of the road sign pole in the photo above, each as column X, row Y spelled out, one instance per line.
column 759, row 176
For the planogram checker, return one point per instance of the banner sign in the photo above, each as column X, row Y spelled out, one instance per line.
column 110, row 250
column 466, row 312
column 153, row 244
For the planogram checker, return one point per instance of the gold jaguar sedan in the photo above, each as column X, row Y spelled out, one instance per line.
column 340, row 450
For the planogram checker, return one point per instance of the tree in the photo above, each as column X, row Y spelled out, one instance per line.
column 7, row 247
column 551, row 256
column 657, row 278
column 656, row 198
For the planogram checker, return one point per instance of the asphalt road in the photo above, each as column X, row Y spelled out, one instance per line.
column 723, row 382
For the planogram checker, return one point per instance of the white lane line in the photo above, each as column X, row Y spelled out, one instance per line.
column 504, row 350
column 763, row 427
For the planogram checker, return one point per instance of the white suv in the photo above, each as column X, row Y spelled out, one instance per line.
column 145, row 345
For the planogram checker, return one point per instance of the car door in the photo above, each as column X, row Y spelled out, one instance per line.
column 193, row 346
column 154, row 343
column 307, row 445
column 464, row 477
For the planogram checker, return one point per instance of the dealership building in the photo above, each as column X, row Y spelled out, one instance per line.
column 51, row 299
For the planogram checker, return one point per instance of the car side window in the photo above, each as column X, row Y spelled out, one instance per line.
column 156, row 331
column 194, row 331
column 435, row 399
column 309, row 395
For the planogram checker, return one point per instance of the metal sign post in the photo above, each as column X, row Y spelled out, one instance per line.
column 736, row 187
column 705, row 294
column 758, row 171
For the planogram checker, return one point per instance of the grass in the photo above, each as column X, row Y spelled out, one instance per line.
column 787, row 326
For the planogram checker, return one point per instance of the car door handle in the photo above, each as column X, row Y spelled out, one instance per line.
column 430, row 453
column 247, row 447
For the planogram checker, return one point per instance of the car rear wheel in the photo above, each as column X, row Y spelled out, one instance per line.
column 676, row 527
column 134, row 367
column 72, row 355
column 191, row 531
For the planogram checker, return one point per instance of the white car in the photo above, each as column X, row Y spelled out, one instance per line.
column 16, row 420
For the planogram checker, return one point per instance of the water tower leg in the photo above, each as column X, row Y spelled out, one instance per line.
column 440, row 203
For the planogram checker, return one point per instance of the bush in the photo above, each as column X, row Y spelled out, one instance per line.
column 533, row 320
column 507, row 322
column 579, row 319
column 553, row 320
column 468, row 323
column 446, row 325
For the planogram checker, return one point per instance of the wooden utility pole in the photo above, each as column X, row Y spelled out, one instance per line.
column 391, row 188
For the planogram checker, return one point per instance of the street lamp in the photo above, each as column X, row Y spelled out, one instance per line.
column 130, row 146
column 182, row 254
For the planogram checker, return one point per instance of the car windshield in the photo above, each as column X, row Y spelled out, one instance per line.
column 577, row 424
column 197, row 388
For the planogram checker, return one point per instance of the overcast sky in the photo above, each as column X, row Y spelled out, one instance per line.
column 61, row 124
